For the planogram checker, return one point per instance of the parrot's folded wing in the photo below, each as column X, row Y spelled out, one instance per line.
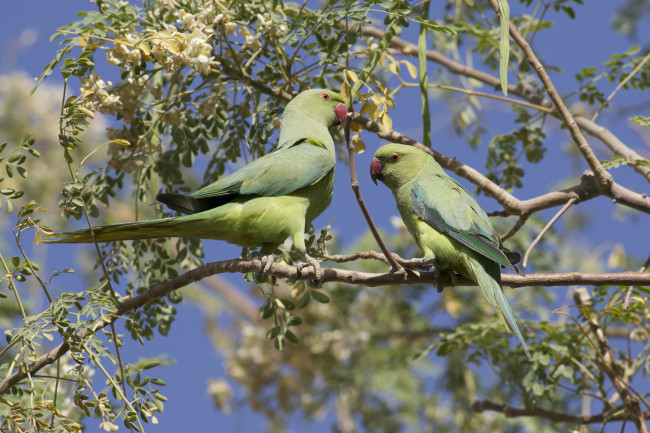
column 450, row 209
column 278, row 173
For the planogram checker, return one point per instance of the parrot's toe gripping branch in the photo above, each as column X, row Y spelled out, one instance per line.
column 267, row 261
column 444, row 269
column 309, row 261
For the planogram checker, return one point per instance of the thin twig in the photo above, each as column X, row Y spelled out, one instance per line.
column 354, row 183
column 545, row 229
column 518, row 225
column 619, row 87
column 31, row 267
column 628, row 294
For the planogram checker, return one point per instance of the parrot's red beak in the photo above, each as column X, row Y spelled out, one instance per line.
column 340, row 111
column 375, row 170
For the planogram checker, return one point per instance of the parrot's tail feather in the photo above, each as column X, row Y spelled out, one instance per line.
column 187, row 204
column 179, row 202
column 166, row 227
column 493, row 291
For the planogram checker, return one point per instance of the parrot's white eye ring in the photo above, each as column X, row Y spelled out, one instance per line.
column 325, row 96
column 394, row 157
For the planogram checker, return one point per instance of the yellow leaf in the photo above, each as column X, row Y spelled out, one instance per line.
column 120, row 141
column 174, row 44
column 46, row 230
column 37, row 238
column 355, row 127
column 352, row 75
column 359, row 146
column 390, row 102
column 143, row 47
column 364, row 109
column 373, row 112
column 387, row 122
column 413, row 72
column 345, row 91
column 376, row 99
column 394, row 68
column 638, row 299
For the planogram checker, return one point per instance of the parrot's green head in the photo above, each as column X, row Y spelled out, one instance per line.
column 325, row 106
column 396, row 164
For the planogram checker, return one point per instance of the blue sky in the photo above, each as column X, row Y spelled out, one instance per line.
column 570, row 45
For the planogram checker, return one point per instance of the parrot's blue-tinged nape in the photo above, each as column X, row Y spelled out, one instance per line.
column 263, row 203
column 447, row 223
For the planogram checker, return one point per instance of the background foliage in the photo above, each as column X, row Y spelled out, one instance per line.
column 188, row 90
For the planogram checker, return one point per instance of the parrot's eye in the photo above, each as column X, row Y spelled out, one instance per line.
column 325, row 97
column 394, row 157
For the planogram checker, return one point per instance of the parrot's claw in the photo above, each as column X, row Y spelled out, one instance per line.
column 309, row 261
column 267, row 261
column 444, row 269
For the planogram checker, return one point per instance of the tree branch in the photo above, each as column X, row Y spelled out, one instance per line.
column 281, row 270
column 374, row 255
column 511, row 412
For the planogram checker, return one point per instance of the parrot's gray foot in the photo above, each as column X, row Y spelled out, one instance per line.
column 267, row 261
column 444, row 270
column 309, row 261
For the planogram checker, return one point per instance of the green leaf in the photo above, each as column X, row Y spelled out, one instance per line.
column 320, row 297
column 291, row 336
column 504, row 44
column 641, row 120
column 304, row 300
column 268, row 309
column 423, row 78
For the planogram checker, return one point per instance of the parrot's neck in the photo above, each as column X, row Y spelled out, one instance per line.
column 297, row 126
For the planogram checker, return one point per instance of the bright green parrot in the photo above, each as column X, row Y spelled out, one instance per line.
column 446, row 222
column 263, row 203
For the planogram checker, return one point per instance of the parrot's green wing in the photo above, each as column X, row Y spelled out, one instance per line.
column 278, row 173
column 450, row 209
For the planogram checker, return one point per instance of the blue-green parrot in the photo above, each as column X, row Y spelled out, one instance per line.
column 446, row 222
column 263, row 203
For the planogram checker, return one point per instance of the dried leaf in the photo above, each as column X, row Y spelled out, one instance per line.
column 120, row 141
column 413, row 71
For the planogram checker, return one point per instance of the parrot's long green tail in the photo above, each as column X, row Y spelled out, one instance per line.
column 491, row 286
column 165, row 227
